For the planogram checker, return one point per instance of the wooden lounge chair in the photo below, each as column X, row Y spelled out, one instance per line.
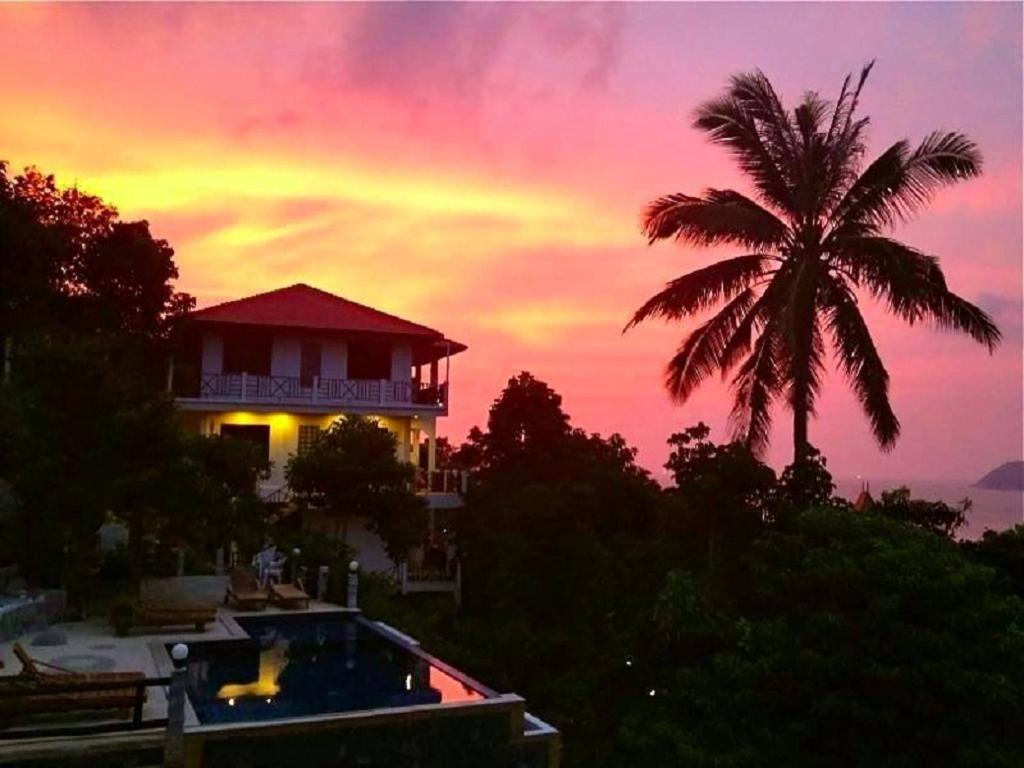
column 289, row 595
column 244, row 590
column 152, row 614
column 37, row 689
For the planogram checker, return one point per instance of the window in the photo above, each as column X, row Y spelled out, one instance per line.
column 308, row 434
column 369, row 360
column 257, row 434
column 247, row 351
column 309, row 362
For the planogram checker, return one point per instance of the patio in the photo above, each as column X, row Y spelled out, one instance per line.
column 92, row 646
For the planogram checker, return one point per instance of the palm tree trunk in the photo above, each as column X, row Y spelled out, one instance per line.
column 800, row 414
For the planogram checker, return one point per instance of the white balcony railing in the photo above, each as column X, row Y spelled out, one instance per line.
column 442, row 481
column 244, row 387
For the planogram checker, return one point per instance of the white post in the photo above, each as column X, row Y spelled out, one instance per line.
column 383, row 384
column 174, row 741
column 244, row 384
column 321, row 582
column 316, row 388
column 430, row 428
column 352, row 598
column 8, row 351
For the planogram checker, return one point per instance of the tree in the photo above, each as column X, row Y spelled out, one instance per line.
column 936, row 516
column 87, row 311
column 560, row 560
column 1004, row 552
column 82, row 436
column 214, row 499
column 722, row 491
column 352, row 470
column 69, row 265
column 814, row 236
column 804, row 484
column 852, row 641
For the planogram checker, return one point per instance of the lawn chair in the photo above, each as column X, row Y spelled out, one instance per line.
column 152, row 614
column 289, row 595
column 269, row 565
column 37, row 689
column 244, row 590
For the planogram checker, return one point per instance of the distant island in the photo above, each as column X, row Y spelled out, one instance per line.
column 1007, row 477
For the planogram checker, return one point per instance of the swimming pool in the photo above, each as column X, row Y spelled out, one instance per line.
column 313, row 664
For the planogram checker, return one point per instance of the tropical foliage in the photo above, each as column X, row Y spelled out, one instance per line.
column 352, row 470
column 88, row 310
column 733, row 618
column 813, row 238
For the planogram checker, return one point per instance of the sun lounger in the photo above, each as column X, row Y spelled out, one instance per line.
column 36, row 690
column 289, row 595
column 245, row 591
column 165, row 615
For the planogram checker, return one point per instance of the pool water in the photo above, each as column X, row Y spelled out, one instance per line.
column 309, row 664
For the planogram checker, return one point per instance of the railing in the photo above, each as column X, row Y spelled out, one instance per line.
column 412, row 580
column 280, row 495
column 244, row 387
column 32, row 687
column 442, row 481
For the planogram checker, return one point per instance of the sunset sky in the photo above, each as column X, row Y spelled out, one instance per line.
column 481, row 169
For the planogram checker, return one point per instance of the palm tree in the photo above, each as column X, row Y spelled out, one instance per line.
column 814, row 235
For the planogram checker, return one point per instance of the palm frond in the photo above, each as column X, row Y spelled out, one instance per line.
column 720, row 216
column 768, row 306
column 860, row 360
column 754, row 92
column 729, row 122
column 899, row 182
column 913, row 285
column 699, row 354
column 757, row 383
column 702, row 288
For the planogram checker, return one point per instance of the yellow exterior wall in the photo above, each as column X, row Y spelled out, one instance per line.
column 284, row 431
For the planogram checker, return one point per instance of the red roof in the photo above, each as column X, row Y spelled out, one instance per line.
column 302, row 306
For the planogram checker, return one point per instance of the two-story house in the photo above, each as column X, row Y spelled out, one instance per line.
column 277, row 367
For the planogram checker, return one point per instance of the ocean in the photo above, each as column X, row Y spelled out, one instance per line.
column 992, row 510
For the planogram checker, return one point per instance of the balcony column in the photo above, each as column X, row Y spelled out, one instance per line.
column 170, row 374
column 430, row 427
column 433, row 373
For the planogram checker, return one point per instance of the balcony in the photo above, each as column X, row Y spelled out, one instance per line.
column 237, row 388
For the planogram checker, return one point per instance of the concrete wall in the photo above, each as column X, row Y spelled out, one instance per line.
column 368, row 547
column 284, row 432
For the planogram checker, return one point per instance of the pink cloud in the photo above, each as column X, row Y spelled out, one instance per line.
column 481, row 168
